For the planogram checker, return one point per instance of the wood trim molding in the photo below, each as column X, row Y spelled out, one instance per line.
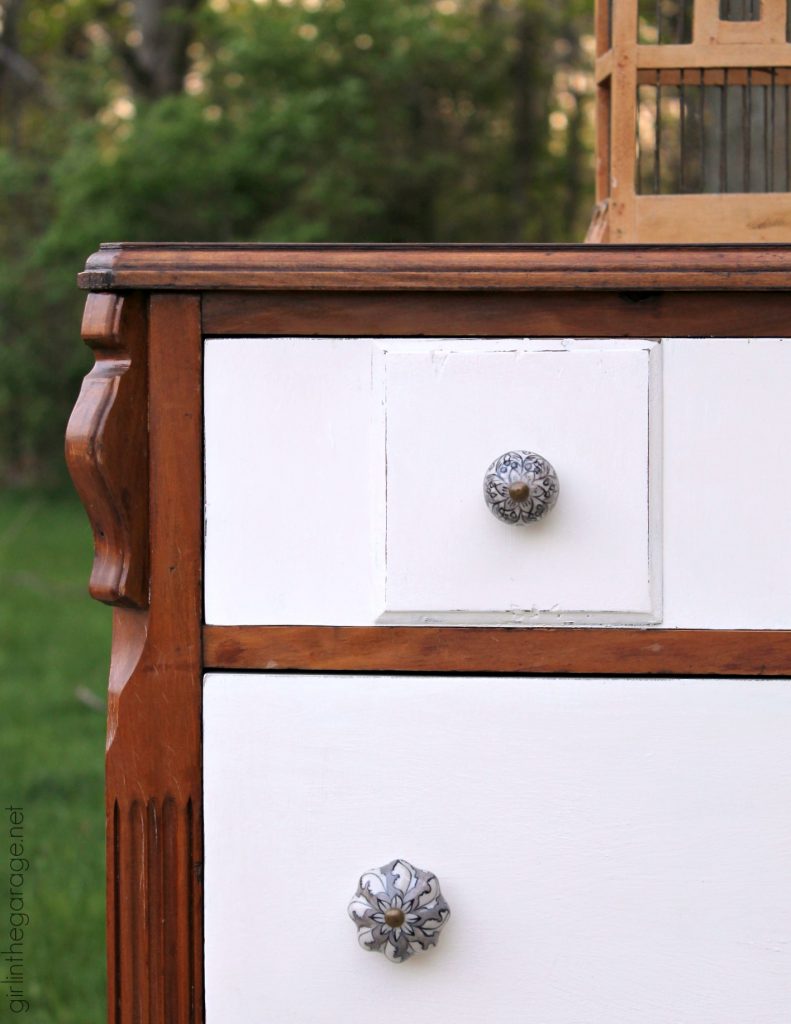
column 714, row 55
column 497, row 315
column 541, row 651
column 107, row 448
column 153, row 758
column 438, row 267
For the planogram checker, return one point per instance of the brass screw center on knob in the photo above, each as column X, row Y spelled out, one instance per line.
column 519, row 490
column 394, row 917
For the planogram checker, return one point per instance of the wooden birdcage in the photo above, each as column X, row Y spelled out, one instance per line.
column 693, row 121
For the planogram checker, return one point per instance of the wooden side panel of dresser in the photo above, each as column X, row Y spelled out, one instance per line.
column 717, row 784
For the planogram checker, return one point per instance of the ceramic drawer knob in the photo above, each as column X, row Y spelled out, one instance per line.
column 520, row 487
column 399, row 910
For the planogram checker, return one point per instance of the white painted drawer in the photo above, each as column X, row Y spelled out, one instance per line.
column 344, row 482
column 449, row 410
column 613, row 850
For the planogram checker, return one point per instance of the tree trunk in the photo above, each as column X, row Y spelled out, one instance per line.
column 157, row 63
column 531, row 79
column 17, row 75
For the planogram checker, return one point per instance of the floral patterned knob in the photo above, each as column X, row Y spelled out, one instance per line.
column 520, row 487
column 399, row 910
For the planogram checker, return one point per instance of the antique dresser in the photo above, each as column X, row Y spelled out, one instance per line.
column 474, row 559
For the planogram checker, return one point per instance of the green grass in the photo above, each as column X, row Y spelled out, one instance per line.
column 53, row 641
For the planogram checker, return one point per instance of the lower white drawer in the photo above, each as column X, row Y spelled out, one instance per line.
column 613, row 850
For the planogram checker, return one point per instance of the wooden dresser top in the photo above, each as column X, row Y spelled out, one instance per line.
column 201, row 267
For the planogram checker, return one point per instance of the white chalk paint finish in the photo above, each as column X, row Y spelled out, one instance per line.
column 727, row 483
column 296, row 497
column 290, row 447
column 449, row 411
column 613, row 850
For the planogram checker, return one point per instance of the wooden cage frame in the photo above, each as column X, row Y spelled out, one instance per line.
column 720, row 52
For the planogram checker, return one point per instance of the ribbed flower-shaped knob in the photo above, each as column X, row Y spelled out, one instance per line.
column 399, row 910
column 520, row 487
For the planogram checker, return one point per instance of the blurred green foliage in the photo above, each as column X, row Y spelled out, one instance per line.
column 54, row 651
column 236, row 120
column 219, row 120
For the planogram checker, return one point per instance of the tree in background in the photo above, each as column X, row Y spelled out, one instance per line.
column 256, row 120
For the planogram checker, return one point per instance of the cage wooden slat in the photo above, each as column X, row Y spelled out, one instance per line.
column 694, row 105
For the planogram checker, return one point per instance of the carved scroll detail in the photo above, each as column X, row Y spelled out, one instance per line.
column 107, row 448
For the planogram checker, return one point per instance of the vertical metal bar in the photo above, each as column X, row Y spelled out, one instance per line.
column 658, row 136
column 773, row 91
column 658, row 7
column 638, row 178
column 747, row 128
column 767, row 152
column 702, row 86
column 724, row 132
column 643, row 93
column 681, row 15
column 681, row 128
column 786, row 147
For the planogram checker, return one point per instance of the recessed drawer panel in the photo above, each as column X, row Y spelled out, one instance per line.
column 344, row 482
column 611, row 849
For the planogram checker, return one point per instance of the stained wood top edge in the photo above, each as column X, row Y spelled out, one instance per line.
column 192, row 266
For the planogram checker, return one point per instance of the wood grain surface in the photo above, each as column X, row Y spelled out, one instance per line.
column 499, row 314
column 482, row 649
column 153, row 792
column 107, row 448
column 438, row 267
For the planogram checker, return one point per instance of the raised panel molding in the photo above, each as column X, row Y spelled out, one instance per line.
column 450, row 406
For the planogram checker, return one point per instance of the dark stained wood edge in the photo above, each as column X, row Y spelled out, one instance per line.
column 562, row 651
column 438, row 267
column 107, row 448
column 498, row 314
column 153, row 763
